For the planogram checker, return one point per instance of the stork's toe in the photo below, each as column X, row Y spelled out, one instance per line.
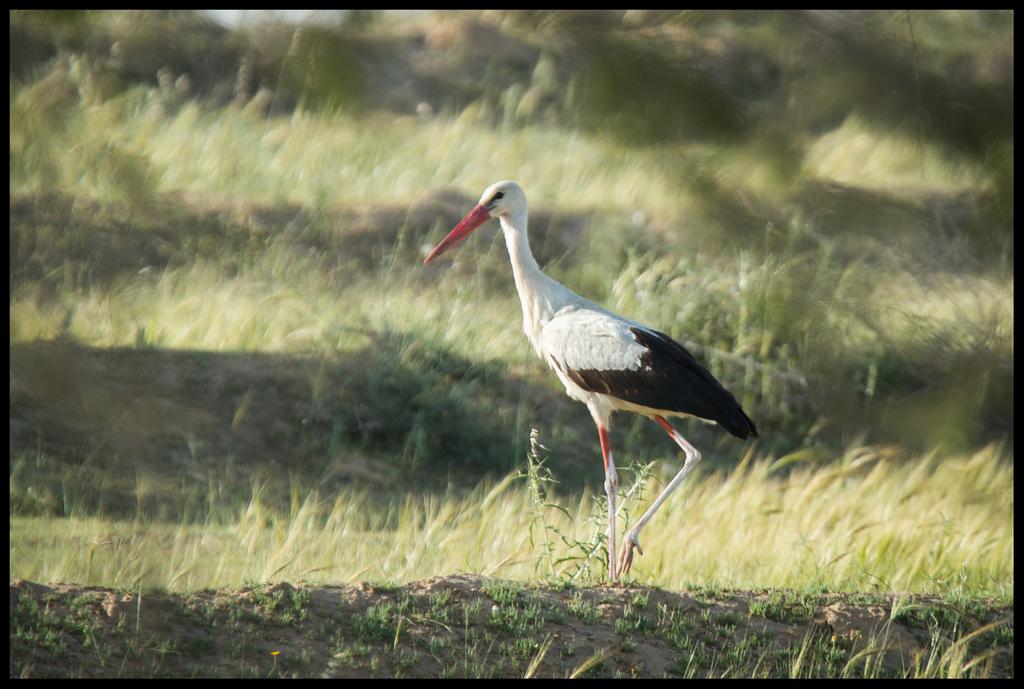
column 626, row 558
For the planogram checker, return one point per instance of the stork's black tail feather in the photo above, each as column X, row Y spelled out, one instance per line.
column 742, row 426
column 691, row 389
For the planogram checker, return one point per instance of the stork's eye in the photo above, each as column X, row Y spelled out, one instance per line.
column 499, row 195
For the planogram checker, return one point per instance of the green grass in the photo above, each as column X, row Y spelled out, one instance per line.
column 784, row 607
column 583, row 609
column 633, row 619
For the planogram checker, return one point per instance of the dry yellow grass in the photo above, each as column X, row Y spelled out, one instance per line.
column 874, row 521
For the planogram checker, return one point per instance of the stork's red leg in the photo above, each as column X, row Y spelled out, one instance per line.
column 611, row 488
column 692, row 457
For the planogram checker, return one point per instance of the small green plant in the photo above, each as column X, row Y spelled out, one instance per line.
column 633, row 620
column 377, row 623
column 582, row 608
column 785, row 606
column 575, row 565
column 541, row 481
column 514, row 611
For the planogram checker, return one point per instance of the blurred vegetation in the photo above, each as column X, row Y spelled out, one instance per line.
column 820, row 204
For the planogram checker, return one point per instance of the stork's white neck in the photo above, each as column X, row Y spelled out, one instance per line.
column 540, row 296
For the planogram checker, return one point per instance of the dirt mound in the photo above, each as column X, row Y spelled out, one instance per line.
column 471, row 626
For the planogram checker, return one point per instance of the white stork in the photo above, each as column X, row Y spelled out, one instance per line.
column 608, row 362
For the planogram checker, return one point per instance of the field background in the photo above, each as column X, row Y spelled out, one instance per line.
column 229, row 367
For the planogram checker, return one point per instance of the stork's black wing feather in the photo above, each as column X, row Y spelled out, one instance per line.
column 670, row 378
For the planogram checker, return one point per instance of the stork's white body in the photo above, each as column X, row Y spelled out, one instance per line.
column 605, row 361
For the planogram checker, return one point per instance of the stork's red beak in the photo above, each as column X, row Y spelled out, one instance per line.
column 474, row 219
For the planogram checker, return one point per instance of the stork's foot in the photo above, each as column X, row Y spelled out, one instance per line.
column 626, row 559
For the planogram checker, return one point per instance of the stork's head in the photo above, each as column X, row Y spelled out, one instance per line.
column 503, row 198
